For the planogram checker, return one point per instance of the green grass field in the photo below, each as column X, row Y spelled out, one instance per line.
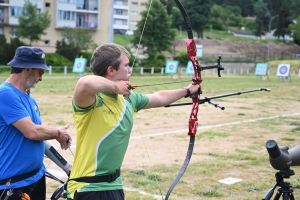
column 229, row 143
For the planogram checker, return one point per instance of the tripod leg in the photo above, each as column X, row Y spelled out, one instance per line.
column 292, row 196
column 286, row 196
column 278, row 194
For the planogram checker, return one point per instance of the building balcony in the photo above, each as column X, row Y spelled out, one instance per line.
column 120, row 3
column 121, row 16
column 87, row 25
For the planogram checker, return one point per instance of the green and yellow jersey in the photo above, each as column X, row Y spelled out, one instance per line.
column 103, row 132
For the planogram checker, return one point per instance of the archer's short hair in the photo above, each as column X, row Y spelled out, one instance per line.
column 105, row 55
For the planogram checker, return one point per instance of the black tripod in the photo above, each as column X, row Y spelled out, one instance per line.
column 285, row 189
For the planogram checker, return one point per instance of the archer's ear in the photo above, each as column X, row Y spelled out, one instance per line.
column 110, row 71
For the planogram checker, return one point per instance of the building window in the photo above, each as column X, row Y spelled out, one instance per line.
column 134, row 13
column 119, row 22
column 15, row 11
column 1, row 16
column 12, row 33
column 119, row 12
column 143, row 4
column 134, row 3
column 47, row 5
column 1, row 31
column 66, row 15
column 120, row 3
column 47, row 42
column 133, row 22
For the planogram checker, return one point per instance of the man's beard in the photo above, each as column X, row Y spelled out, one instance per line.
column 30, row 83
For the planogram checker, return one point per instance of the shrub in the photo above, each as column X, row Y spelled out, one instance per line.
column 55, row 59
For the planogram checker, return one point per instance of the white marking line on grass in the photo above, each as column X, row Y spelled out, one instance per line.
column 217, row 125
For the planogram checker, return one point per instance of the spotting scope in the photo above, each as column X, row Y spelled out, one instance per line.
column 281, row 157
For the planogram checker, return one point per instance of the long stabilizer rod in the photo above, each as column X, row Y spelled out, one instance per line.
column 207, row 99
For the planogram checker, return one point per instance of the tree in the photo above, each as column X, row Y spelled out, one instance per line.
column 263, row 17
column 234, row 16
column 157, row 34
column 169, row 4
column 80, row 37
column 74, row 42
column 8, row 49
column 295, row 8
column 218, row 17
column 246, row 6
column 68, row 50
column 32, row 23
column 295, row 28
column 199, row 14
column 283, row 21
column 177, row 19
column 274, row 6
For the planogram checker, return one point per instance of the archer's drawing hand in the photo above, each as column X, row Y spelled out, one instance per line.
column 121, row 87
column 64, row 137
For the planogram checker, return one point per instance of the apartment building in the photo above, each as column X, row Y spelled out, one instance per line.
column 102, row 17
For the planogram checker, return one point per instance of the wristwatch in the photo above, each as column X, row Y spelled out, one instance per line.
column 188, row 92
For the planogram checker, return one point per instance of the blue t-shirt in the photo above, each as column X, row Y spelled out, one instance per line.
column 18, row 154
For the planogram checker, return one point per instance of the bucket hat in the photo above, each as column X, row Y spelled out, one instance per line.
column 29, row 57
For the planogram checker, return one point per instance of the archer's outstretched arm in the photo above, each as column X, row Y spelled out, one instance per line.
column 165, row 97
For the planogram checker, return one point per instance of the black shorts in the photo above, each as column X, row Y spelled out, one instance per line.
column 36, row 191
column 100, row 195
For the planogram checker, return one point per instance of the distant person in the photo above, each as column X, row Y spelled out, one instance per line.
column 21, row 134
column 103, row 108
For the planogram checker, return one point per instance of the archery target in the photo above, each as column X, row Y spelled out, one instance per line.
column 79, row 65
column 261, row 69
column 171, row 66
column 189, row 68
column 283, row 70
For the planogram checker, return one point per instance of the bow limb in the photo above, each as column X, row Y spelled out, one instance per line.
column 193, row 120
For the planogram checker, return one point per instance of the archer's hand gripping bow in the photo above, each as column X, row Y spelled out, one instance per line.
column 193, row 120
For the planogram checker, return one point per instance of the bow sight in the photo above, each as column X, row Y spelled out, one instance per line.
column 218, row 67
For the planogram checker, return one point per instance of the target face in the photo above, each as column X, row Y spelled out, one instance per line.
column 283, row 70
column 189, row 68
column 79, row 65
column 261, row 69
column 171, row 66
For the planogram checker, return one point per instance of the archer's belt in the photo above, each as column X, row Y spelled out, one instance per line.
column 97, row 179
column 19, row 177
